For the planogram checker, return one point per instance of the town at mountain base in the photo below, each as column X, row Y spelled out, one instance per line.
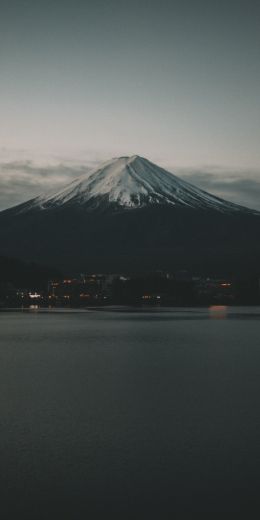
column 31, row 286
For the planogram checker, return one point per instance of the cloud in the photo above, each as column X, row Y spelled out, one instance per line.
column 23, row 180
column 240, row 187
column 25, row 174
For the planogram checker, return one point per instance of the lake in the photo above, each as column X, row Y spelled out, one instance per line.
column 129, row 414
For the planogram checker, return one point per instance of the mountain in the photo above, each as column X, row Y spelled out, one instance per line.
column 129, row 183
column 131, row 215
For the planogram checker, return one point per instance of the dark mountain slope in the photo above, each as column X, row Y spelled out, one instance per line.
column 130, row 215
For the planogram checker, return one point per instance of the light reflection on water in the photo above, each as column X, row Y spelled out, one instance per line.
column 215, row 312
column 146, row 313
column 218, row 312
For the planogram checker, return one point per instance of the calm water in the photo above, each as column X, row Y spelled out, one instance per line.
column 129, row 415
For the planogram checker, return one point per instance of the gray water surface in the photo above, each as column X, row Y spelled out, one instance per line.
column 125, row 414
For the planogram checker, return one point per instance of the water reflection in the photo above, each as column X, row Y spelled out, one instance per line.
column 33, row 307
column 218, row 312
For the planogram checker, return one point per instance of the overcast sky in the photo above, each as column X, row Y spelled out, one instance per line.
column 175, row 81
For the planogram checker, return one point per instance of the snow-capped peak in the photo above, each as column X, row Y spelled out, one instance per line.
column 132, row 182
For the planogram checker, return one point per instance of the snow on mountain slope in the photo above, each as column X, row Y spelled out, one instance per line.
column 131, row 182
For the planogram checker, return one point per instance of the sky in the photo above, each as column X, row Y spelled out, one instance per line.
column 175, row 81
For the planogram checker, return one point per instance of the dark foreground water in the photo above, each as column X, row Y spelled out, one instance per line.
column 130, row 415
